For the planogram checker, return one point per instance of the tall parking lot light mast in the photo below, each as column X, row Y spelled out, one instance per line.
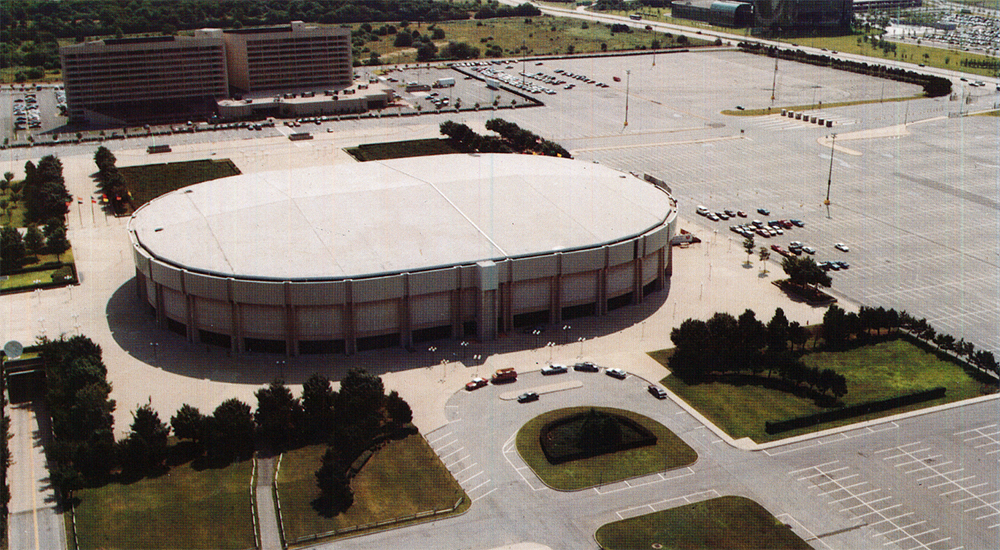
column 829, row 178
column 628, row 73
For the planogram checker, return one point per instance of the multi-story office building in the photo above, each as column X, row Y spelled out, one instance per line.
column 165, row 78
column 152, row 79
column 288, row 57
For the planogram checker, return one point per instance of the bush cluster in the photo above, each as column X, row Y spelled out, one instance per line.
column 494, row 9
column 725, row 345
column 934, row 86
column 513, row 139
column 110, row 181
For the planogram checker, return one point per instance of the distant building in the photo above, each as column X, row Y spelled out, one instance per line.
column 872, row 5
column 129, row 80
column 798, row 17
column 289, row 57
column 716, row 12
column 169, row 78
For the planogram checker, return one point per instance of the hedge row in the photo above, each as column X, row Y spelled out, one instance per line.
column 854, row 410
column 934, row 86
column 643, row 438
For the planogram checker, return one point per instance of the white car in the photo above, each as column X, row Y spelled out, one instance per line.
column 842, row 247
column 808, row 249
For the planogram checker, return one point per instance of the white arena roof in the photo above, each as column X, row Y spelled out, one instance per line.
column 372, row 218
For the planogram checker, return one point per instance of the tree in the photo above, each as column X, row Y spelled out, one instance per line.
column 229, row 431
column 398, row 409
column 777, row 332
column 361, row 396
column 57, row 243
column 803, row 271
column 599, row 431
column 317, row 407
column 145, row 447
column 189, row 423
column 104, row 158
column 34, row 241
column 945, row 342
column 835, row 326
column 11, row 249
column 278, row 415
column 797, row 334
column 764, row 254
column 426, row 51
column 46, row 200
column 403, row 40
column 333, row 482
column 748, row 245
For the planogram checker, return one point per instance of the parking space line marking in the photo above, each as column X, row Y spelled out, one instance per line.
column 927, row 466
column 464, row 469
column 964, row 489
column 981, row 506
column 448, row 444
column 977, row 496
column 842, row 489
column 993, row 452
column 484, row 494
column 956, row 482
column 987, row 444
column 857, row 496
column 470, row 478
column 439, row 438
column 879, row 512
column 974, row 429
column 478, row 486
column 812, row 536
column 458, row 450
column 936, row 474
column 816, row 467
column 890, row 519
column 822, row 473
column 995, row 513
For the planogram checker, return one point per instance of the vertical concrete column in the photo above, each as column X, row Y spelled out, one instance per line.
column 405, row 323
column 161, row 314
column 291, row 327
column 486, row 304
column 670, row 260
column 555, row 293
column 140, row 286
column 192, row 317
column 661, row 267
column 455, row 309
column 637, row 281
column 236, row 326
column 350, row 340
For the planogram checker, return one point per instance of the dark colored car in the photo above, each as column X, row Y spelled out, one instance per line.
column 797, row 222
column 586, row 367
column 527, row 397
column 764, row 211
column 656, row 391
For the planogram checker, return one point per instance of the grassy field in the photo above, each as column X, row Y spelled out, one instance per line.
column 17, row 213
column 149, row 181
column 545, row 35
column 911, row 53
column 873, row 372
column 731, row 522
column 185, row 508
column 403, row 478
column 402, row 149
column 668, row 453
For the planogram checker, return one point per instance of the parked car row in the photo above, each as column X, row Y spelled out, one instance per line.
column 26, row 112
column 507, row 375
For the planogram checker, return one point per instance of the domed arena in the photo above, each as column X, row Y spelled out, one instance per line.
column 357, row 256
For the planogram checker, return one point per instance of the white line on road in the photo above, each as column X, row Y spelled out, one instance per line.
column 974, row 429
column 478, row 486
column 484, row 494
column 436, row 439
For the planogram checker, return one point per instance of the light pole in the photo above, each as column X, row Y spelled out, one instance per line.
column 581, row 340
column 565, row 336
column 281, row 369
column 465, row 349
column 536, row 332
column 628, row 74
column 829, row 178
column 551, row 346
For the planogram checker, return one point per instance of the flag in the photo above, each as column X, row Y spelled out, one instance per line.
column 93, row 200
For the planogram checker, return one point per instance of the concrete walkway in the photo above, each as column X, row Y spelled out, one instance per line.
column 35, row 523
column 267, row 517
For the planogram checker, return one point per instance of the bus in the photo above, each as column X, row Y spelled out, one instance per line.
column 635, row 16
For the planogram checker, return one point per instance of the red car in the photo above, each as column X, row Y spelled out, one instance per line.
column 476, row 383
column 780, row 250
column 786, row 224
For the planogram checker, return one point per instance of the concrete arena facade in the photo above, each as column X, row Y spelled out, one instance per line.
column 357, row 256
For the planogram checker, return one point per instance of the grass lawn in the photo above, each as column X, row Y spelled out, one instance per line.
column 27, row 279
column 668, row 453
column 731, row 522
column 185, row 508
column 911, row 53
column 403, row 478
column 545, row 35
column 873, row 372
column 149, row 181
column 17, row 213
column 402, row 149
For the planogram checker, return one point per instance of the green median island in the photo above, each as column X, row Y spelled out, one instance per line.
column 730, row 522
column 741, row 404
column 404, row 149
column 401, row 480
column 186, row 507
column 581, row 447
column 145, row 183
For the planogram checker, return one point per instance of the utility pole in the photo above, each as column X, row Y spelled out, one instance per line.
column 829, row 178
column 774, row 81
column 628, row 73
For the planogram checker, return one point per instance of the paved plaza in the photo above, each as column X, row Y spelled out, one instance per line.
column 914, row 195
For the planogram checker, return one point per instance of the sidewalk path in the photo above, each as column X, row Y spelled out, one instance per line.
column 35, row 523
column 267, row 517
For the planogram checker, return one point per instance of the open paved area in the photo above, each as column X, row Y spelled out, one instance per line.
column 918, row 209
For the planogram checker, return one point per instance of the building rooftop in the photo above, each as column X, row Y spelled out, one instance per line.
column 363, row 219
